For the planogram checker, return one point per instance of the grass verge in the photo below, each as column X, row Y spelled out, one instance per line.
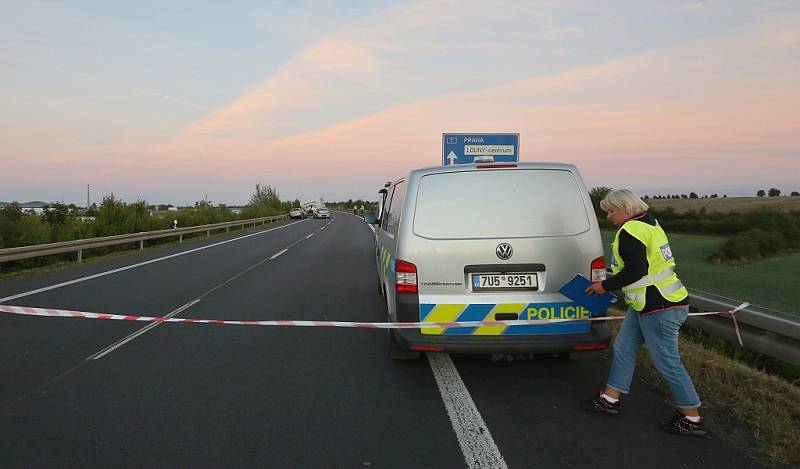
column 768, row 406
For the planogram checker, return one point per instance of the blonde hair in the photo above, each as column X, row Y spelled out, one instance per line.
column 625, row 200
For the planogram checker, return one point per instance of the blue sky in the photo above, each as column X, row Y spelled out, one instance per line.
column 171, row 103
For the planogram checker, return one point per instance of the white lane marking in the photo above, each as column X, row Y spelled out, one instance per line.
column 278, row 254
column 121, row 269
column 473, row 435
column 312, row 234
column 124, row 341
column 289, row 246
column 136, row 334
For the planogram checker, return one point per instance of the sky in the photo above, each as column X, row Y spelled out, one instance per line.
column 180, row 101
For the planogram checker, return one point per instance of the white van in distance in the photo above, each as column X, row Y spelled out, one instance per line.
column 485, row 242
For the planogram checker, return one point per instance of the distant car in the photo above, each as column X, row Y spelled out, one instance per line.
column 322, row 213
column 297, row 213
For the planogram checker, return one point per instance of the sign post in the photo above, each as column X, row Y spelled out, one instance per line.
column 463, row 148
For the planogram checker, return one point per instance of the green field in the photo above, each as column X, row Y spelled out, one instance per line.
column 772, row 283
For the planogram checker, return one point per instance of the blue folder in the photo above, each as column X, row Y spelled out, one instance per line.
column 575, row 290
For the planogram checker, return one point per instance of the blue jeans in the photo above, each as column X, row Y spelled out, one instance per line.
column 659, row 332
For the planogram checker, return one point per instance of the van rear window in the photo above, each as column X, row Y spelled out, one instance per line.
column 499, row 204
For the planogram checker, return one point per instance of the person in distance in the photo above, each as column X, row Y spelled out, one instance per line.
column 644, row 269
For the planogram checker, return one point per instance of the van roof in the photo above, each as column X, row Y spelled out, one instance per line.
column 466, row 167
column 474, row 167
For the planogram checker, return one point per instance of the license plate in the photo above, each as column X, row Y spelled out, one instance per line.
column 515, row 281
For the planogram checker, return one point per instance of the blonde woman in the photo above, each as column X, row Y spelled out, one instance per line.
column 644, row 269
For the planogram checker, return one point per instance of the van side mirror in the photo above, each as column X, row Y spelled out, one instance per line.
column 381, row 200
column 371, row 217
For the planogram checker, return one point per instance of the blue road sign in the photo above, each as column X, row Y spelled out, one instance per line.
column 463, row 148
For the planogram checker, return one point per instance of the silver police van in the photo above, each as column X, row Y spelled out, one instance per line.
column 488, row 241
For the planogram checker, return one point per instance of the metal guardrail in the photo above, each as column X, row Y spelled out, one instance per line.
column 772, row 333
column 26, row 252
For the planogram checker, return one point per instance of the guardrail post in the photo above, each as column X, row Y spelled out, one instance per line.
column 141, row 245
column 228, row 229
column 208, row 233
column 180, row 240
column 80, row 256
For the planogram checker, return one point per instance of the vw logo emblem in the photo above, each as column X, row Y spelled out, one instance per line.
column 504, row 251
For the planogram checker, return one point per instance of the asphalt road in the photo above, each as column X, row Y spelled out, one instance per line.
column 76, row 393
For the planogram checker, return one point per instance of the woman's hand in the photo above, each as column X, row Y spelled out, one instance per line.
column 596, row 288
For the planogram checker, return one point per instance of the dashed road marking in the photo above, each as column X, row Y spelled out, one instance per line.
column 278, row 254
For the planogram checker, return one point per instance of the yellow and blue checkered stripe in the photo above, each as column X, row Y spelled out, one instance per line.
column 386, row 263
column 429, row 312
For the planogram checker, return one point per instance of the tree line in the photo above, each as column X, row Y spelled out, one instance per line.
column 59, row 222
column 772, row 192
column 775, row 193
column 750, row 235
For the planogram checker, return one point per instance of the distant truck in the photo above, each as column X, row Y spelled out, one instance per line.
column 312, row 206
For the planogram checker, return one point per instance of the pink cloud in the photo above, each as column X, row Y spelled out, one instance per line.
column 710, row 110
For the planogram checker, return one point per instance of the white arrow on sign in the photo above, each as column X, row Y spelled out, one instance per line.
column 452, row 157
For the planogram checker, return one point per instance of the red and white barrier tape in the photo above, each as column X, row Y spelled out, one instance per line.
column 62, row 313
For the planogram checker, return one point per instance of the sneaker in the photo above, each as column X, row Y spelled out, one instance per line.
column 599, row 404
column 680, row 425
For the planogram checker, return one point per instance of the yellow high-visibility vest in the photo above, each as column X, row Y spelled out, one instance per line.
column 660, row 265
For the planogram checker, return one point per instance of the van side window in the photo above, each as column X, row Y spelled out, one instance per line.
column 396, row 207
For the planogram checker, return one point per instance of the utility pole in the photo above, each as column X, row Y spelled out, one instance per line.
column 87, row 196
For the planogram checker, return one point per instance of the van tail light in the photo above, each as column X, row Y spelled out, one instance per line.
column 599, row 269
column 406, row 277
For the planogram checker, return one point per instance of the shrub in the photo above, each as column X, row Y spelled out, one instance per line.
column 752, row 244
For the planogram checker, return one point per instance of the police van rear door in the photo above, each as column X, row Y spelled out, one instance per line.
column 494, row 244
